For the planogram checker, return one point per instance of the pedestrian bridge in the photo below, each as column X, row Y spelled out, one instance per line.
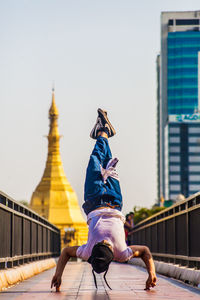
column 172, row 236
column 127, row 282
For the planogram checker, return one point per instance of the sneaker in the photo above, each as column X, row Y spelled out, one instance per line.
column 105, row 122
column 98, row 125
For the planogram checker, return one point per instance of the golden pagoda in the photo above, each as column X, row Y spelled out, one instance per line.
column 54, row 197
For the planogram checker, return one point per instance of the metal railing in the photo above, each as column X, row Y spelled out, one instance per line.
column 173, row 235
column 24, row 235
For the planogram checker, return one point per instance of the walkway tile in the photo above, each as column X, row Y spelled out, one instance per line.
column 127, row 282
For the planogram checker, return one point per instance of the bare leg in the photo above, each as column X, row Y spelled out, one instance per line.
column 103, row 134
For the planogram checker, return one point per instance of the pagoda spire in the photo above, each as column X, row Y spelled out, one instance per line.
column 53, row 137
column 54, row 197
column 53, row 111
column 54, row 174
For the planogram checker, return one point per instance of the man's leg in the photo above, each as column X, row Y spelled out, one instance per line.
column 102, row 149
column 94, row 185
column 99, row 192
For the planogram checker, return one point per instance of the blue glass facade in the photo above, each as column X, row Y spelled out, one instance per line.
column 183, row 158
column 178, row 122
column 182, row 78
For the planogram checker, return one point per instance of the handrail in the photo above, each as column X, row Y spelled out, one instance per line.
column 24, row 235
column 173, row 234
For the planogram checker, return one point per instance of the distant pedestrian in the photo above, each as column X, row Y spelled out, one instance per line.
column 132, row 218
column 128, row 227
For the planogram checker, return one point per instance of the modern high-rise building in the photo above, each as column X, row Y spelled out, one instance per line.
column 178, row 105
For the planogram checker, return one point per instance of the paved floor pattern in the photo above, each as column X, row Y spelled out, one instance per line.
column 127, row 282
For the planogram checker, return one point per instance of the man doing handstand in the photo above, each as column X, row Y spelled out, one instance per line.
column 102, row 205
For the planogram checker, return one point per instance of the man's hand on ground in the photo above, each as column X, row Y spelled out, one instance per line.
column 63, row 259
column 145, row 254
column 56, row 282
column 151, row 281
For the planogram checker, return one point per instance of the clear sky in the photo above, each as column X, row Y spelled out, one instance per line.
column 100, row 53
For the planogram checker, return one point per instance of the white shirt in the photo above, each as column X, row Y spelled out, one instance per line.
column 106, row 224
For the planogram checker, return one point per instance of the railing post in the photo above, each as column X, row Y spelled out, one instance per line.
column 10, row 263
column 31, row 243
column 187, row 234
column 174, row 236
column 23, row 239
column 37, row 240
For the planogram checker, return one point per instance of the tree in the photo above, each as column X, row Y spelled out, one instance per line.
column 141, row 213
column 24, row 202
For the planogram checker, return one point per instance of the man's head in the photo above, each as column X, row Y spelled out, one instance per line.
column 101, row 257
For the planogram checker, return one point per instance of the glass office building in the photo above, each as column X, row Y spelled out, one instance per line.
column 182, row 79
column 179, row 105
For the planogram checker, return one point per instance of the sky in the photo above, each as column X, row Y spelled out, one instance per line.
column 99, row 53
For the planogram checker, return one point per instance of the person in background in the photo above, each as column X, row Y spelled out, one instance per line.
column 132, row 219
column 128, row 226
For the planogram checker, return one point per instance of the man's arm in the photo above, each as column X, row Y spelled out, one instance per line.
column 66, row 254
column 144, row 253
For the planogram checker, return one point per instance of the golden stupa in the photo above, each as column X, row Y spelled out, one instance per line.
column 54, row 197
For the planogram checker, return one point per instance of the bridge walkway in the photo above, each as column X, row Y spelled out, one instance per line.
column 127, row 282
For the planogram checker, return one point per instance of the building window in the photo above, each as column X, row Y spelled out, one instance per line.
column 194, row 129
column 174, row 149
column 194, row 178
column 194, row 139
column 170, row 22
column 174, row 177
column 174, row 130
column 187, row 22
column 174, row 139
column 174, row 158
column 194, row 187
column 195, row 149
column 175, row 187
column 194, row 158
column 174, row 168
column 194, row 168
